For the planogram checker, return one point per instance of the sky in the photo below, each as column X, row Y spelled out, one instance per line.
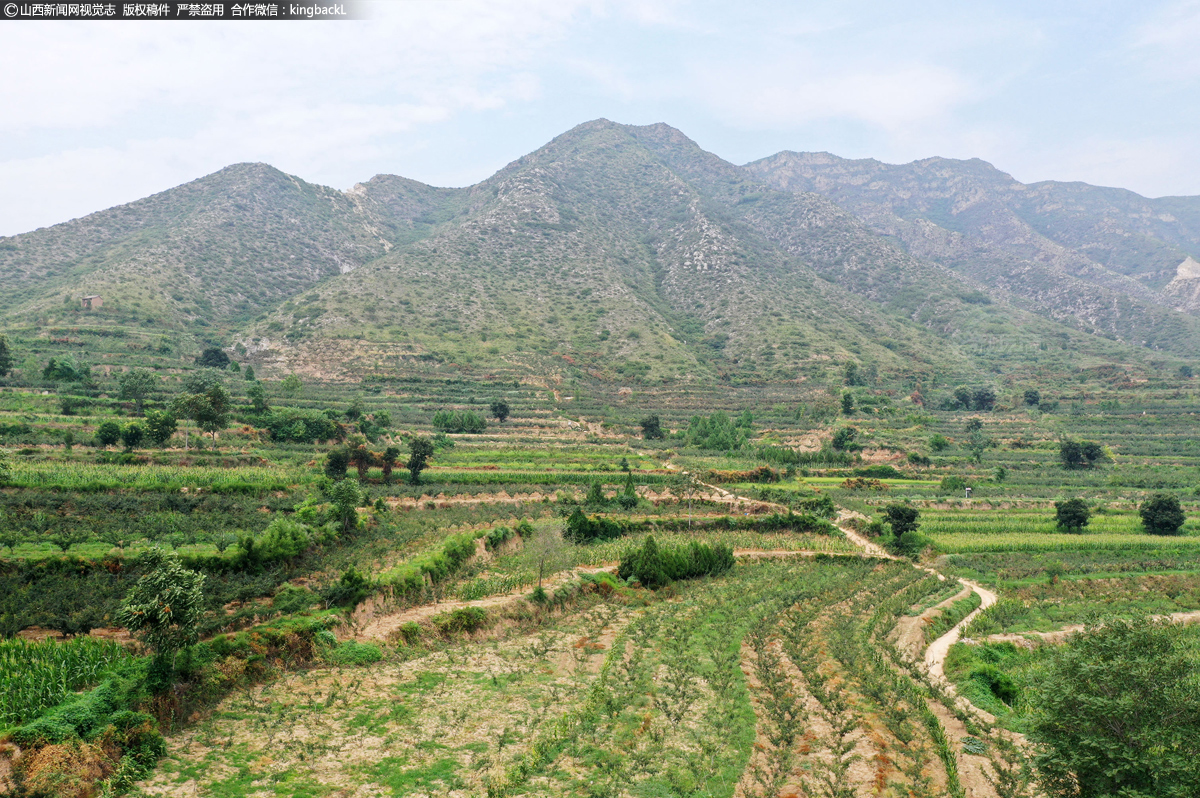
column 95, row 114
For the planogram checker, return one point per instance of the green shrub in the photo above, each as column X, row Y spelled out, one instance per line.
column 719, row 431
column 410, row 632
column 284, row 539
column 952, row 484
column 656, row 566
column 355, row 653
column 460, row 421
column 460, row 621
column 292, row 598
column 498, row 537
column 301, row 426
column 582, row 530
column 348, row 591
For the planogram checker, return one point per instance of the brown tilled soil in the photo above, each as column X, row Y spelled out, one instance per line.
column 909, row 634
column 1029, row 639
column 367, row 625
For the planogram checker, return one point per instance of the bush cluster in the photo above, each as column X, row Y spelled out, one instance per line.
column 581, row 530
column 719, row 431
column 459, row 421
column 302, row 426
column 656, row 566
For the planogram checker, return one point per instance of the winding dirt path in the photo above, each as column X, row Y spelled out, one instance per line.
column 1060, row 635
column 935, row 655
column 370, row 626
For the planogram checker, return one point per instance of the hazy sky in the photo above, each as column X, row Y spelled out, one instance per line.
column 97, row 114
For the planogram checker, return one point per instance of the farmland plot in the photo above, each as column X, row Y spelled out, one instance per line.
column 615, row 700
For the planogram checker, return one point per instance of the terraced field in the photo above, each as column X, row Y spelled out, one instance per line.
column 400, row 645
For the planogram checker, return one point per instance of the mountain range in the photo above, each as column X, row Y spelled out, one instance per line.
column 629, row 254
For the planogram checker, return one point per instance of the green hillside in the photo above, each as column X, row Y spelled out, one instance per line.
column 209, row 254
column 623, row 254
column 1103, row 260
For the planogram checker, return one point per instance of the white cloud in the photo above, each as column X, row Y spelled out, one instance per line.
column 1169, row 40
column 100, row 113
column 318, row 98
column 798, row 92
column 1152, row 166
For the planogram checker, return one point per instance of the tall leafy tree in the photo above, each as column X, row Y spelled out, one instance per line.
column 108, row 433
column 1161, row 514
column 160, row 426
column 165, row 605
column 387, row 461
column 132, row 435
column 213, row 358
column 1117, row 713
column 1072, row 515
column 137, row 385
column 362, row 459
column 500, row 410
column 6, row 357
column 257, row 395
column 292, row 385
column 419, row 452
column 205, row 401
column 345, row 497
column 902, row 518
column 651, row 428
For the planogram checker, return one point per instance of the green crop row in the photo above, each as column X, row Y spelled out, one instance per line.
column 35, row 676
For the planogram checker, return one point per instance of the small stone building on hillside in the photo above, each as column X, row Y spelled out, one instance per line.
column 94, row 302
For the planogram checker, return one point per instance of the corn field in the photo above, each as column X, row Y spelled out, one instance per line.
column 35, row 676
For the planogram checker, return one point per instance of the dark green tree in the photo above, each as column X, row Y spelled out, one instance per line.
column 844, row 439
column 248, row 374
column 983, row 398
column 1116, row 712
column 500, row 410
column 362, row 459
column 345, row 497
column 850, row 375
column 652, row 428
column 213, row 358
column 165, row 605
column 419, row 452
column 108, row 433
column 387, row 462
column 160, row 426
column 1072, row 515
column 628, row 498
column 902, row 518
column 336, row 463
column 1079, row 454
column 257, row 395
column 137, row 385
column 595, row 495
column 1033, row 397
column 1161, row 514
column 132, row 435
column 847, row 403
column 6, row 357
column 938, row 443
column 962, row 396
